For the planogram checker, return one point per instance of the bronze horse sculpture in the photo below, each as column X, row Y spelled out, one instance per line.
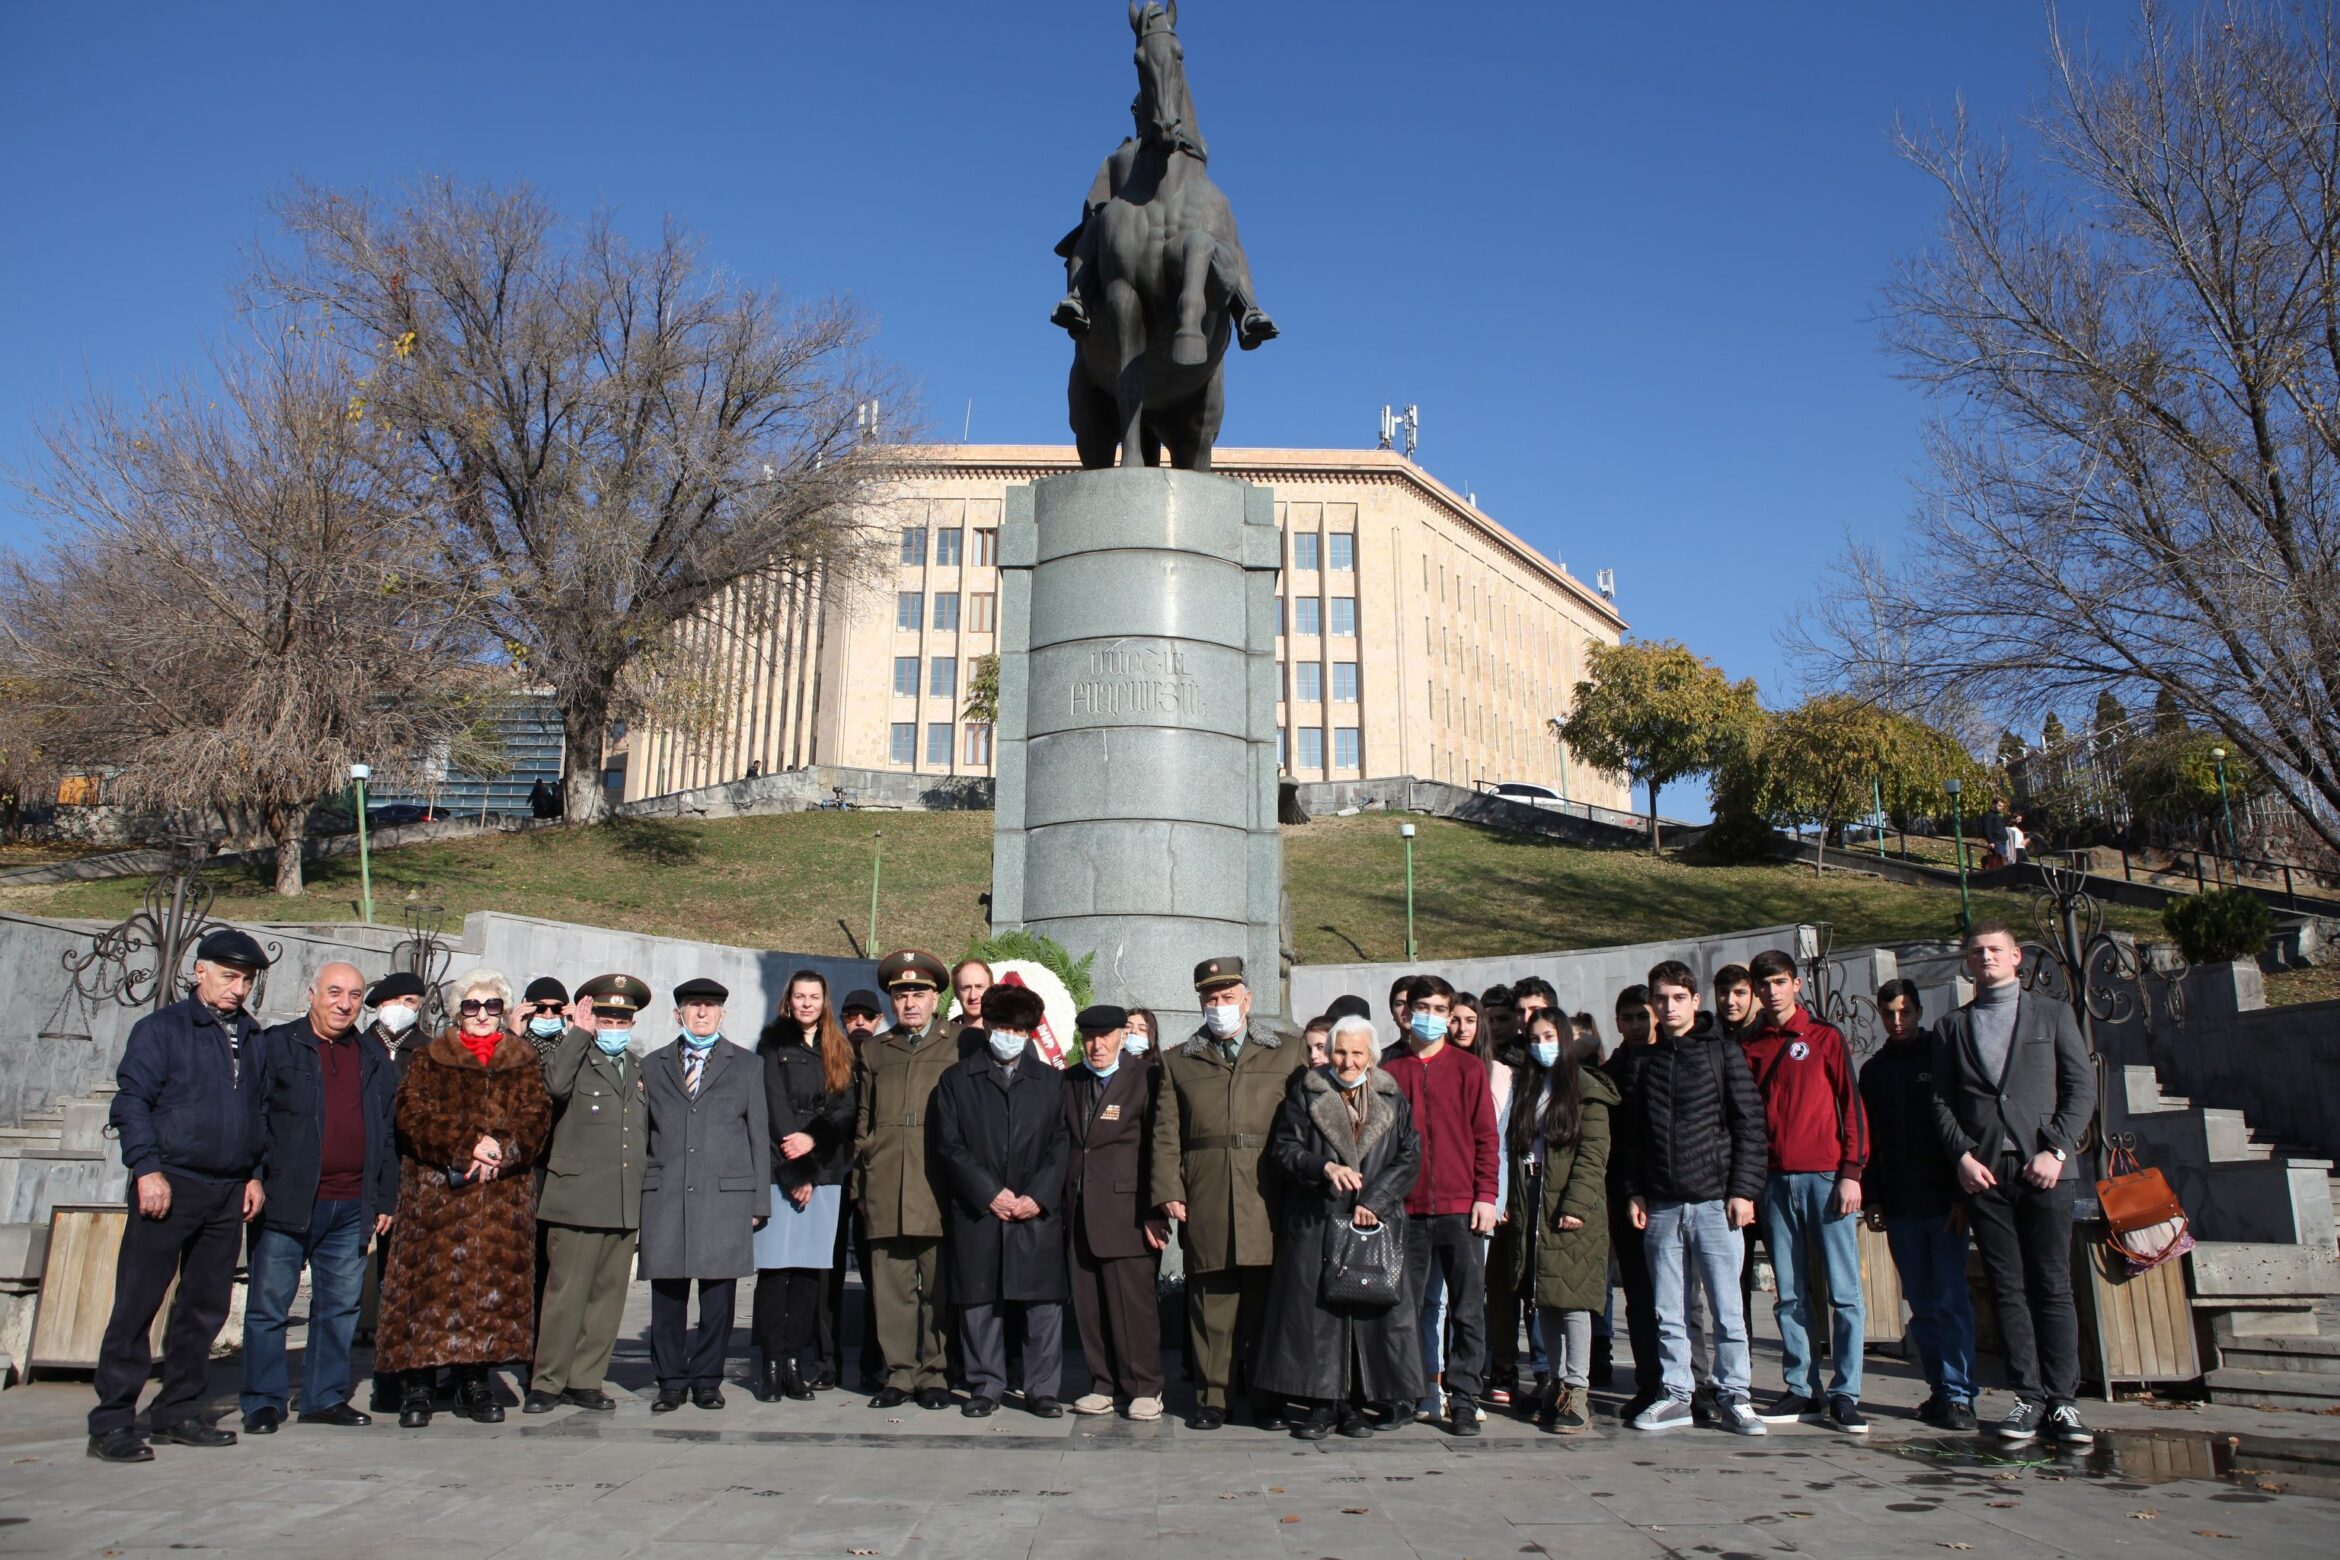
column 1157, row 283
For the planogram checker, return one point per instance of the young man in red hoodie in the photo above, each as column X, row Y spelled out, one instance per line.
column 1819, row 1140
column 1451, row 1210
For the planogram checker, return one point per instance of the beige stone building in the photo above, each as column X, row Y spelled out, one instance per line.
column 1419, row 636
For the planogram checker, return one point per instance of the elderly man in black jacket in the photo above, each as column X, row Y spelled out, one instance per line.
column 329, row 1167
column 1000, row 1148
column 2015, row 1088
column 188, row 1116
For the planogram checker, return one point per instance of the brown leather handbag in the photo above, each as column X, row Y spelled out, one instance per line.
column 2145, row 1224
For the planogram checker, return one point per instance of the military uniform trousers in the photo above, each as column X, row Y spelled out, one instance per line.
column 1117, row 1301
column 586, row 1275
column 906, row 1282
column 1224, row 1311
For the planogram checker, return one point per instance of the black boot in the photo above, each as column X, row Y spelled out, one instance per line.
column 414, row 1407
column 792, row 1382
column 768, row 1382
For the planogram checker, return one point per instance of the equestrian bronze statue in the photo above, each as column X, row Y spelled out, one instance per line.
column 1156, row 279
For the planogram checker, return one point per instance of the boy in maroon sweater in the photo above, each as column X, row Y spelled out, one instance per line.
column 1451, row 1210
column 1819, row 1139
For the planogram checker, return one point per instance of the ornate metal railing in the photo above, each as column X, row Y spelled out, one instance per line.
column 141, row 960
column 424, row 954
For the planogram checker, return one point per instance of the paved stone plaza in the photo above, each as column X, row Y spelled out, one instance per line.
column 834, row 1477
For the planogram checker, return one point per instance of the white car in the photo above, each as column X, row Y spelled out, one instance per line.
column 1527, row 792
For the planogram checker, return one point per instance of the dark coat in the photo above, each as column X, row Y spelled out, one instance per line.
column 1693, row 1122
column 709, row 1176
column 292, row 1125
column 797, row 1099
column 1567, row 1269
column 1211, row 1126
column 1908, row 1173
column 1304, row 1343
column 459, row 1287
column 188, row 1104
column 600, row 1137
column 990, row 1134
column 2046, row 1099
column 1109, row 1184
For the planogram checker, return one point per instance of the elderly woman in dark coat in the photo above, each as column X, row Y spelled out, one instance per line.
column 459, row 1289
column 1345, row 1147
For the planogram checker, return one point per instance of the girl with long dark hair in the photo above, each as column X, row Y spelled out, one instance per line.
column 809, row 1094
column 1557, row 1144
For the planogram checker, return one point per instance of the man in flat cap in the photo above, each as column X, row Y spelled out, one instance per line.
column 1218, row 1099
column 900, row 1211
column 706, row 1190
column 188, row 1116
column 1113, row 1234
column 591, row 1205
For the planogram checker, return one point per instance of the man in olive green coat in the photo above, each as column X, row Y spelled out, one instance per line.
column 1219, row 1096
column 591, row 1205
column 900, row 1067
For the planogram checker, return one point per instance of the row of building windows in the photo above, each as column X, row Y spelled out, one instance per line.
column 982, row 611
column 947, row 546
column 1339, row 551
column 902, row 748
column 942, row 677
column 1308, row 682
column 1347, row 748
column 1310, row 613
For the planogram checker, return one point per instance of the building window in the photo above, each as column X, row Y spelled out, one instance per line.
column 979, row 744
column 1344, row 682
column 942, row 678
column 904, row 749
column 1312, row 747
column 1342, row 545
column 986, row 546
column 946, row 547
column 938, row 743
column 1304, row 551
column 1308, row 683
column 983, row 613
column 914, row 544
column 1283, row 748
column 909, row 607
column 1307, row 616
column 1344, row 616
column 1344, row 747
column 946, row 611
column 906, row 676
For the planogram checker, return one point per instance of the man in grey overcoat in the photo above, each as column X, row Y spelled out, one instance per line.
column 706, row 1190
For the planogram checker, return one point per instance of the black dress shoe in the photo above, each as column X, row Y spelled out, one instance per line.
column 1313, row 1426
column 1269, row 1415
column 340, row 1414
column 668, row 1400
column 194, row 1432
column 591, row 1399
column 1044, row 1408
column 889, row 1397
column 1207, row 1418
column 121, row 1446
column 476, row 1401
column 707, row 1397
column 539, row 1402
column 825, row 1379
column 934, row 1399
column 1356, row 1426
column 264, row 1421
column 414, row 1409
column 978, row 1407
column 792, row 1382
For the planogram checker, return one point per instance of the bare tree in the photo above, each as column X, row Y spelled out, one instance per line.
column 236, row 602
column 609, row 434
column 2134, row 334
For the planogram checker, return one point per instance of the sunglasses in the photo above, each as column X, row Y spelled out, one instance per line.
column 492, row 1006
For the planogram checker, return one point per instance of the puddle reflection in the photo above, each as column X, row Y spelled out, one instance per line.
column 2256, row 1467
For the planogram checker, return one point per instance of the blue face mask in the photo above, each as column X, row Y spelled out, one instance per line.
column 1429, row 1028
column 1006, row 1044
column 1136, row 1044
column 1105, row 1072
column 1546, row 1052
column 546, row 1027
column 701, row 1042
column 612, row 1041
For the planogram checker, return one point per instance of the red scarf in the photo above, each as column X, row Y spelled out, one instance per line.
column 481, row 1046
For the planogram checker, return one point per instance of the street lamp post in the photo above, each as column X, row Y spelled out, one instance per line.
column 1406, row 833
column 1958, row 838
column 359, row 774
column 877, row 865
column 2226, row 806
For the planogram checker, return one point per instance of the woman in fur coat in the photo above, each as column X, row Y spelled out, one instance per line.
column 458, row 1291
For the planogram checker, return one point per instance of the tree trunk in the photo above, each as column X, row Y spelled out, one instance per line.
column 1820, row 853
column 1653, row 823
column 582, row 723
column 289, row 826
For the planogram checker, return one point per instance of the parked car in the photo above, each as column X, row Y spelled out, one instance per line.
column 1526, row 791
column 391, row 815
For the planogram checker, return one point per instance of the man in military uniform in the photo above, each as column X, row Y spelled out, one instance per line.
column 1219, row 1094
column 591, row 1207
column 900, row 1214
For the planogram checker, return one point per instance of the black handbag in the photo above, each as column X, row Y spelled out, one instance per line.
column 1361, row 1267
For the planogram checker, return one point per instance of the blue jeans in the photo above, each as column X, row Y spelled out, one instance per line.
column 1932, row 1264
column 333, row 1248
column 1680, row 1237
column 1796, row 1218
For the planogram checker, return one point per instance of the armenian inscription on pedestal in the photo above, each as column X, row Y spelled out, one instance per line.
column 1137, row 680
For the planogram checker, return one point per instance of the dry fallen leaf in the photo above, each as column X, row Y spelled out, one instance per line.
column 1287, row 1519
column 2210, row 1533
column 2270, row 1486
column 2147, row 1515
column 2003, row 1504
column 1275, row 1489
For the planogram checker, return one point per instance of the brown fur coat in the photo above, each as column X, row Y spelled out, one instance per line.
column 457, row 1289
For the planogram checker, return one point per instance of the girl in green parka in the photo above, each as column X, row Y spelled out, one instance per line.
column 1558, row 1143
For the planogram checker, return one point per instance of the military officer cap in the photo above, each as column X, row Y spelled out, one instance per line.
column 702, row 990
column 615, row 996
column 546, row 989
column 396, row 984
column 1211, row 974
column 229, row 946
column 912, row 967
column 861, row 1001
column 1101, row 1019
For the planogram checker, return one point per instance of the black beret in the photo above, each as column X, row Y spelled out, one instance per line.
column 398, row 983
column 702, row 990
column 1013, row 1007
column 229, row 946
column 863, row 1000
column 1104, row 1016
column 545, row 989
column 1347, row 1007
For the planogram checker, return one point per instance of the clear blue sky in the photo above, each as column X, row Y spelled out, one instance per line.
column 1626, row 258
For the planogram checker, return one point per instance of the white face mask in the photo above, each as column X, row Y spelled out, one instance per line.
column 1006, row 1044
column 398, row 1020
column 1224, row 1018
column 1136, row 1044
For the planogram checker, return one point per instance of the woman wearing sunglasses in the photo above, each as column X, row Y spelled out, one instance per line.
column 472, row 1113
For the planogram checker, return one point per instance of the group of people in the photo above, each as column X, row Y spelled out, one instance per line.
column 1374, row 1229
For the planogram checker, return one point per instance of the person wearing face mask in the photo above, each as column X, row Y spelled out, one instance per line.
column 542, row 1016
column 706, row 1190
column 397, row 1000
column 1137, row 1042
column 1000, row 1147
column 1558, row 1141
column 1116, row 1240
column 1218, row 1099
column 901, row 1216
column 591, row 1205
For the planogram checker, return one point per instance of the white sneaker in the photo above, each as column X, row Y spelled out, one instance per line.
column 1667, row 1413
column 1145, row 1408
column 1093, row 1403
column 1738, row 1416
